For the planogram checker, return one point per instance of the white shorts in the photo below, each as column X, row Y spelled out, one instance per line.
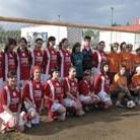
column 68, row 102
column 104, row 97
column 85, row 99
column 55, row 106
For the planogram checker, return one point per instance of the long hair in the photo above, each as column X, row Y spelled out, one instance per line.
column 11, row 41
column 22, row 39
column 77, row 44
column 62, row 42
column 51, row 38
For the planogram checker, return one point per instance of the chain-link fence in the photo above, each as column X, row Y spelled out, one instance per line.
column 32, row 29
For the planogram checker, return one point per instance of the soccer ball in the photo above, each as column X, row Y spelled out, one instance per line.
column 131, row 104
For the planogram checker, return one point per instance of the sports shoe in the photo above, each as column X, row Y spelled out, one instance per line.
column 118, row 104
column 28, row 124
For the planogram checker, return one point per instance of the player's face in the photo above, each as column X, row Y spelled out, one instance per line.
column 87, row 42
column 56, row 74
column 12, row 81
column 39, row 44
column 101, row 46
column 52, row 43
column 138, row 52
column 66, row 43
column 72, row 73
column 106, row 68
column 115, row 48
column 37, row 74
column 77, row 49
column 12, row 46
column 22, row 44
column 122, row 71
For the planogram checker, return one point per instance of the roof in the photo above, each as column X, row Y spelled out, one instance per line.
column 133, row 27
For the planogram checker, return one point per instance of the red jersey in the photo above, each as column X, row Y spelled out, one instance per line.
column 84, row 87
column 54, row 90
column 65, row 62
column 33, row 90
column 10, row 62
column 24, row 63
column 11, row 98
column 71, row 86
column 38, row 58
column 51, row 59
column 101, row 83
column 1, row 64
column 98, row 58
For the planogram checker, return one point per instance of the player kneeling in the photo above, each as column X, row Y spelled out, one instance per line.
column 54, row 93
column 10, row 102
column 72, row 94
column 102, row 84
column 33, row 97
column 87, row 96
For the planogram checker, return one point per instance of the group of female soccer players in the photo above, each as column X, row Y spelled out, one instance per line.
column 63, row 82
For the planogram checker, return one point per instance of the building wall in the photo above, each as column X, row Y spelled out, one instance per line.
column 111, row 37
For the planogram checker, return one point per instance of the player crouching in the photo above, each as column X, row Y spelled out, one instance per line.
column 54, row 93
column 10, row 106
column 71, row 100
column 87, row 96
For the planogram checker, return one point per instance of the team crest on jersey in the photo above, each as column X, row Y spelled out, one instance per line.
column 57, row 84
column 14, row 93
column 10, row 55
column 52, row 52
column 23, row 54
column 38, row 54
column 72, row 84
column 37, row 86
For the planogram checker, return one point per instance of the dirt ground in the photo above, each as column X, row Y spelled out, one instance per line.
column 114, row 124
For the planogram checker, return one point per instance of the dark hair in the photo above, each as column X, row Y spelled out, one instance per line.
column 87, row 38
column 102, row 66
column 38, row 39
column 11, row 41
column 51, row 38
column 22, row 39
column 101, row 42
column 55, row 69
column 72, row 67
column 87, row 73
column 113, row 45
column 122, row 66
column 61, row 42
column 121, row 45
column 77, row 44
column 11, row 74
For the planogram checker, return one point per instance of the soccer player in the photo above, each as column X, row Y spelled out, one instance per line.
column 24, row 62
column 99, row 56
column 86, row 95
column 119, row 87
column 50, row 56
column 71, row 99
column 38, row 58
column 1, row 69
column 114, row 60
column 33, row 96
column 10, row 105
column 10, row 57
column 54, row 93
column 135, row 84
column 102, row 84
column 64, row 58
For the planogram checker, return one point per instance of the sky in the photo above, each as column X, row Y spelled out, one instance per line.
column 79, row 11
